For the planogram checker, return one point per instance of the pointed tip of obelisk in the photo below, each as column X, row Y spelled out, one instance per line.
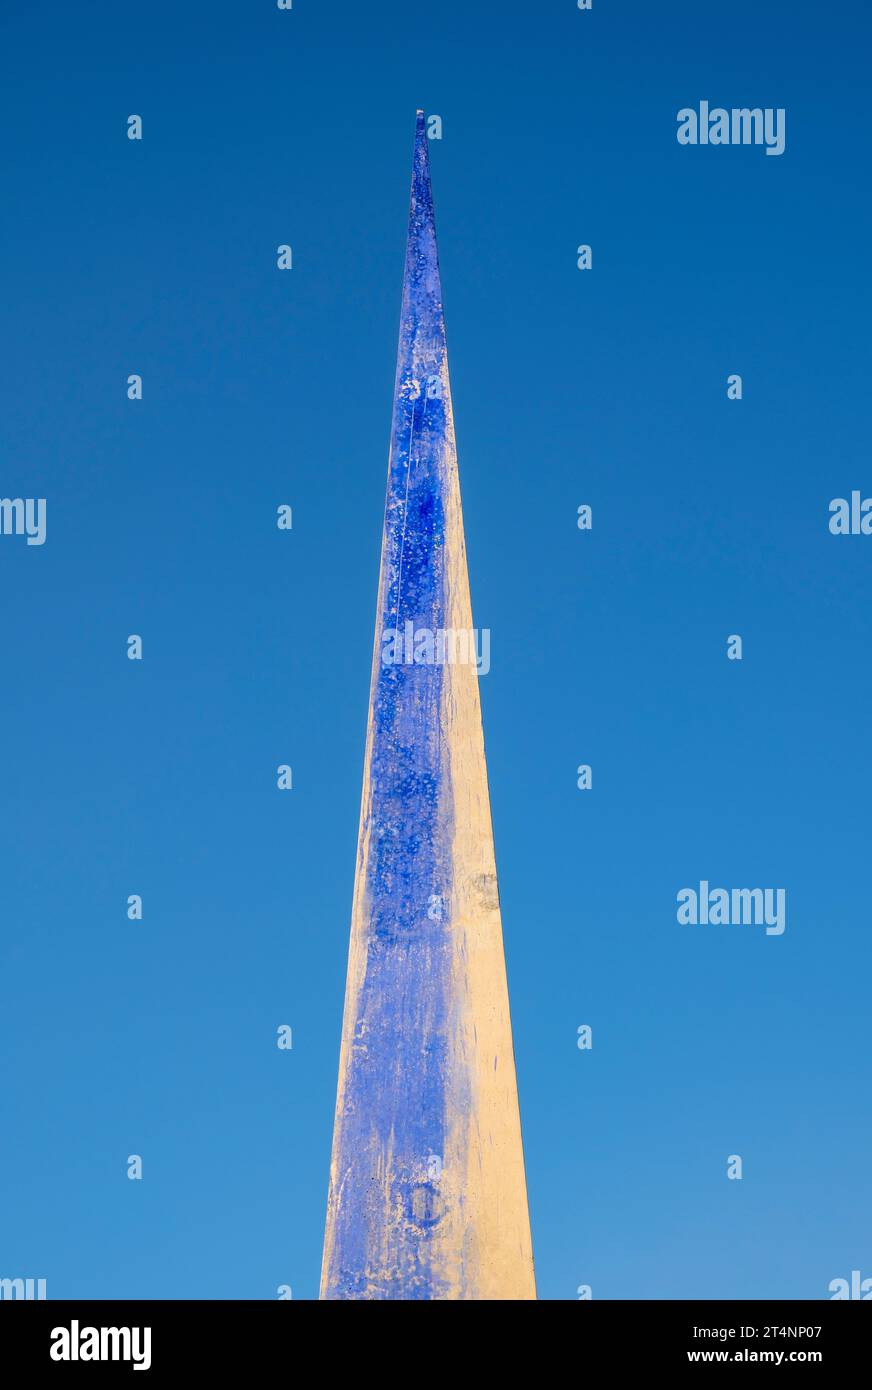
column 422, row 197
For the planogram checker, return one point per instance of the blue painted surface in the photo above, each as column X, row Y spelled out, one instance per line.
column 395, row 1086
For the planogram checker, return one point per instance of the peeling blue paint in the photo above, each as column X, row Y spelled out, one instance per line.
column 394, row 1099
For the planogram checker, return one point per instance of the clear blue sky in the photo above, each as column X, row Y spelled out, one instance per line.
column 263, row 387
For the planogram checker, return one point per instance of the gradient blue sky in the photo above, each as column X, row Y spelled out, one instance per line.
column 261, row 387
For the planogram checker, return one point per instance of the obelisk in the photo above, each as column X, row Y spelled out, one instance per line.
column 427, row 1192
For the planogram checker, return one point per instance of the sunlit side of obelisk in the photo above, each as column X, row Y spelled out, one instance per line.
column 427, row 1194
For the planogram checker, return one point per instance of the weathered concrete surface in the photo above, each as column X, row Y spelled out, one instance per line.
column 427, row 1191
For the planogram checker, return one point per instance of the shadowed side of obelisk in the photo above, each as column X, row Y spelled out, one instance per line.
column 427, row 1194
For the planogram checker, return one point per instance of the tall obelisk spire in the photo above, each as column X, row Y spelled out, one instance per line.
column 427, row 1192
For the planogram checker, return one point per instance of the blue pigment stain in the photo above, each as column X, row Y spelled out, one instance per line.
column 394, row 1099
